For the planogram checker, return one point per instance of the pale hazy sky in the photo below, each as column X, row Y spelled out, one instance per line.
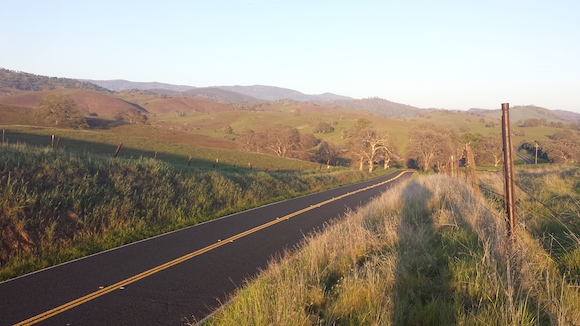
column 441, row 54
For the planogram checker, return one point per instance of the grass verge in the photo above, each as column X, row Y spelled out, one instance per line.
column 56, row 206
column 428, row 252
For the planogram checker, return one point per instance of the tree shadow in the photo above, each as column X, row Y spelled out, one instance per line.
column 422, row 293
column 107, row 150
column 104, row 124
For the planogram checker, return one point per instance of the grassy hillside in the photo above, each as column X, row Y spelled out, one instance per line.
column 175, row 124
column 523, row 112
column 12, row 80
column 429, row 252
column 87, row 101
column 56, row 206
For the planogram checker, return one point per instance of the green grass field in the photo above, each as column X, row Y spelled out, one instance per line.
column 57, row 204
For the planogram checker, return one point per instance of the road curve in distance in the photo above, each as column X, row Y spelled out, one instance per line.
column 179, row 276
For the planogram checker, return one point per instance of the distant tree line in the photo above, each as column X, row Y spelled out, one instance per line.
column 366, row 145
column 544, row 123
column 30, row 82
column 562, row 147
column 280, row 140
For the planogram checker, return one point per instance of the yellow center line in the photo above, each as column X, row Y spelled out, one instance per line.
column 135, row 278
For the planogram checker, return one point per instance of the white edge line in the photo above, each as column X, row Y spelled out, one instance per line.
column 174, row 231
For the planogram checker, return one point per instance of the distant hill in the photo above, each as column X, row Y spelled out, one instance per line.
column 522, row 112
column 379, row 106
column 219, row 95
column 87, row 101
column 572, row 115
column 179, row 105
column 22, row 81
column 272, row 93
column 121, row 85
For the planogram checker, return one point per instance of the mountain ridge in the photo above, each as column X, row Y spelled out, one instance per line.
column 15, row 82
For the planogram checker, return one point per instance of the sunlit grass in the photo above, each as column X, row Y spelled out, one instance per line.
column 425, row 253
column 56, row 205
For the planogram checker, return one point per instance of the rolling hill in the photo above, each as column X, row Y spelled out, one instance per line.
column 271, row 93
column 87, row 101
column 379, row 106
column 219, row 95
column 260, row 93
column 11, row 81
column 117, row 85
column 523, row 112
column 14, row 83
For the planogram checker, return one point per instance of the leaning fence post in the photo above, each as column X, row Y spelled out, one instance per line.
column 508, row 172
column 118, row 149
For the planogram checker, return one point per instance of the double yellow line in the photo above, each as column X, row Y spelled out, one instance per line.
column 121, row 284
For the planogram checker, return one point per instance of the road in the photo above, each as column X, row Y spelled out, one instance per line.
column 523, row 158
column 179, row 276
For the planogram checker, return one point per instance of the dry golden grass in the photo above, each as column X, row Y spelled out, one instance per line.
column 425, row 253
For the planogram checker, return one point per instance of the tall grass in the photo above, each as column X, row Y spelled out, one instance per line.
column 425, row 253
column 56, row 206
column 548, row 249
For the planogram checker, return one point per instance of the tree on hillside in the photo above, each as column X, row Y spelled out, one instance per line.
column 62, row 110
column 534, row 122
column 370, row 145
column 430, row 144
column 131, row 116
column 564, row 151
column 361, row 124
column 277, row 139
column 323, row 128
column 472, row 138
column 489, row 150
column 280, row 139
column 250, row 141
column 307, row 142
column 326, row 152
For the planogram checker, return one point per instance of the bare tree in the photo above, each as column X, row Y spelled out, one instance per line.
column 564, row 150
column 369, row 145
column 250, row 141
column 280, row 139
column 489, row 150
column 429, row 144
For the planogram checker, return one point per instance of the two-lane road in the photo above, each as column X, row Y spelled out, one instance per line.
column 165, row 279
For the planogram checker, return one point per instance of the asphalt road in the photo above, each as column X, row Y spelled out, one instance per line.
column 179, row 276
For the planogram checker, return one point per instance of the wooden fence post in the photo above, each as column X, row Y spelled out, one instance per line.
column 118, row 149
column 472, row 169
column 509, row 184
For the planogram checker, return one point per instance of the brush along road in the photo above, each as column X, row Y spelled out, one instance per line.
column 167, row 279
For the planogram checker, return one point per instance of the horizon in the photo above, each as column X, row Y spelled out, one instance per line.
column 217, row 86
column 447, row 55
